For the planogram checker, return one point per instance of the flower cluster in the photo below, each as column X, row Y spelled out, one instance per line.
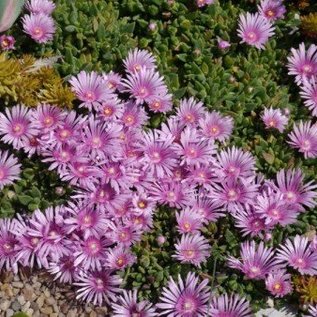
column 255, row 29
column 260, row 262
column 121, row 172
column 302, row 64
column 39, row 24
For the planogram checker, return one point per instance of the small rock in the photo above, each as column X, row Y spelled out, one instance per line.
column 40, row 301
column 47, row 293
column 72, row 313
column 56, row 308
column 64, row 308
column 21, row 300
column 29, row 312
column 28, row 293
column 47, row 310
column 35, row 306
column 93, row 314
column 4, row 305
column 9, row 313
column 17, row 284
column 54, row 315
column 16, row 278
column 26, row 306
column 50, row 301
column 16, row 306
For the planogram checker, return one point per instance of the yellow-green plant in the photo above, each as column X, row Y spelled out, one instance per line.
column 27, row 81
column 306, row 287
column 309, row 24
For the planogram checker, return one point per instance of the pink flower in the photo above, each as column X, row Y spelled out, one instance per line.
column 9, row 169
column 112, row 81
column 222, row 44
column 255, row 30
column 309, row 94
column 7, row 42
column 98, row 287
column 185, row 298
column 90, row 89
column 274, row 119
column 16, row 126
column 40, row 27
column 193, row 150
column 119, row 258
column 139, row 59
column 233, row 306
column 202, row 3
column 194, row 249
column 8, row 246
column 272, row 9
column 278, row 283
column 144, row 85
column 188, row 221
column 64, row 269
column 133, row 116
column 215, row 126
column 91, row 252
column 299, row 255
column 41, row 6
column 128, row 305
column 304, row 138
column 302, row 63
column 190, row 112
column 256, row 261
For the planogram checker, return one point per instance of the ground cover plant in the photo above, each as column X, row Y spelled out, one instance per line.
column 160, row 156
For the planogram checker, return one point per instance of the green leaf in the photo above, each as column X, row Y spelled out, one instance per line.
column 24, row 199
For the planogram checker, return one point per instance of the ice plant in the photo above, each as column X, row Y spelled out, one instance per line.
column 139, row 59
column 9, row 169
column 188, row 221
column 299, row 255
column 304, row 138
column 8, row 246
column 302, row 63
column 202, row 3
column 309, row 95
column 16, row 126
column 272, row 9
column 41, row 6
column 90, row 89
column 190, row 111
column 295, row 191
column 215, row 126
column 184, row 298
column 229, row 306
column 129, row 306
column 193, row 249
column 7, row 42
column 274, row 119
column 145, row 85
column 119, row 258
column 98, row 287
column 223, row 44
column 256, row 261
column 40, row 27
column 278, row 283
column 255, row 30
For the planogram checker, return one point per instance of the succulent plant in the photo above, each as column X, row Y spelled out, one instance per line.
column 9, row 11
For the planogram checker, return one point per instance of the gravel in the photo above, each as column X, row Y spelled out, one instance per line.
column 37, row 295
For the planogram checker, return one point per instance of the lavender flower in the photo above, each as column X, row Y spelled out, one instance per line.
column 9, row 169
column 40, row 27
column 309, row 94
column 187, row 298
column 274, row 119
column 255, row 30
column 7, row 42
column 279, row 283
column 272, row 9
column 139, row 59
column 40, row 6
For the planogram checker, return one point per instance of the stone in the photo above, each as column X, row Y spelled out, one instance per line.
column 26, row 306
column 47, row 293
column 28, row 293
column 35, row 306
column 17, row 284
column 50, row 301
column 93, row 314
column 9, row 313
column 4, row 305
column 54, row 315
column 47, row 310
column 21, row 300
column 16, row 306
column 40, row 301
column 72, row 313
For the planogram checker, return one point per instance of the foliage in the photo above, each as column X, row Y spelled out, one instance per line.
column 309, row 24
column 90, row 36
column 21, row 81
